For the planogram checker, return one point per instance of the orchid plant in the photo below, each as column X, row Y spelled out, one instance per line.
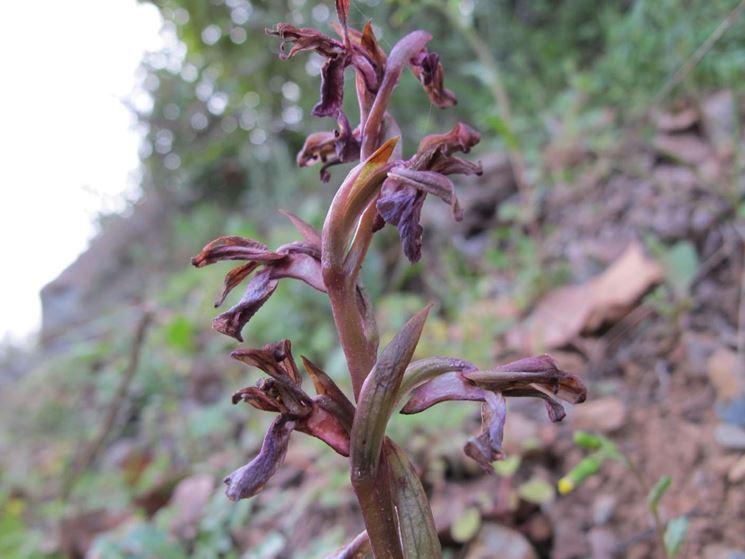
column 384, row 188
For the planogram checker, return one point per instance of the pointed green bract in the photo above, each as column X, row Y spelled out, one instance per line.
column 416, row 524
column 378, row 396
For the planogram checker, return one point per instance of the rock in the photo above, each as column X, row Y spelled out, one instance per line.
column 498, row 541
column 603, row 508
column 719, row 551
column 732, row 412
column 188, row 502
column 726, row 373
column 730, row 436
column 602, row 414
column 737, row 472
column 602, row 543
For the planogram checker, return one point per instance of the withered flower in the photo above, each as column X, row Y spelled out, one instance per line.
column 537, row 377
column 326, row 416
column 298, row 260
column 404, row 191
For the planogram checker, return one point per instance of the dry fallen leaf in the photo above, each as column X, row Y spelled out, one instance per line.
column 568, row 311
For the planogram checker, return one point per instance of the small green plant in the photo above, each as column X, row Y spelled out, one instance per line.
column 383, row 189
column 670, row 535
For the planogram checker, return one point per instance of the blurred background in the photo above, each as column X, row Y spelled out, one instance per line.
column 608, row 229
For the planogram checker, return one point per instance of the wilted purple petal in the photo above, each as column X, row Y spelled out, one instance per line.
column 332, row 87
column 324, row 425
column 303, row 262
column 259, row 289
column 486, row 447
column 367, row 71
column 248, row 480
column 401, row 205
column 448, row 386
column 431, row 183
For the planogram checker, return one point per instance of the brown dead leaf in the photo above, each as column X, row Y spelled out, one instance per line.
column 568, row 311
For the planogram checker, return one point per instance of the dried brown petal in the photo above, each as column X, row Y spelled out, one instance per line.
column 461, row 138
column 233, row 248
column 233, row 278
column 304, row 39
column 259, row 289
column 318, row 146
column 428, row 69
column 325, row 386
column 274, row 359
column 256, row 397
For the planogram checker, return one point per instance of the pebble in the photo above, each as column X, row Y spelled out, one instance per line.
column 730, row 436
column 726, row 373
column 737, row 472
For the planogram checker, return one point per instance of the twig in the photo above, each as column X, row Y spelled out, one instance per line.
column 685, row 69
column 90, row 453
